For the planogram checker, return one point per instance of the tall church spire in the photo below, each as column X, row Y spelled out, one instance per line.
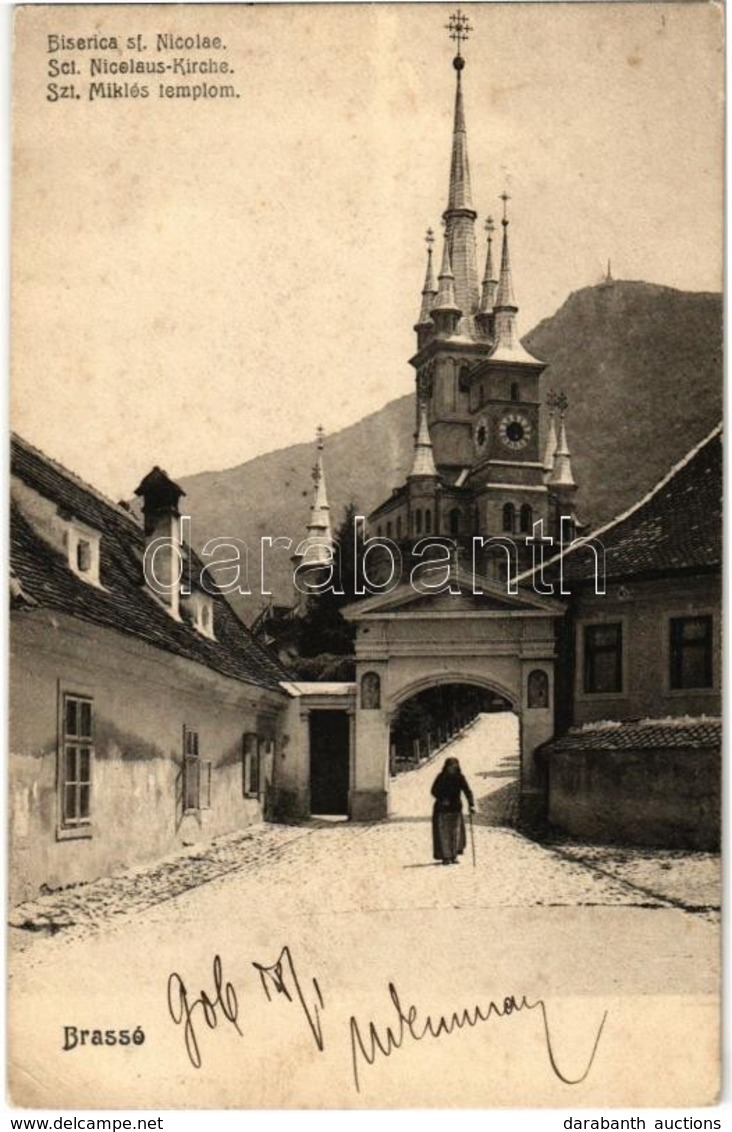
column 459, row 216
column 319, row 529
column 459, row 195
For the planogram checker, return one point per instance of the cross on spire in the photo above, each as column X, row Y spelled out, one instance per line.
column 505, row 198
column 459, row 28
column 317, row 469
column 429, row 239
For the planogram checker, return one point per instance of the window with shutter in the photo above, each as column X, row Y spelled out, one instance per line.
column 76, row 754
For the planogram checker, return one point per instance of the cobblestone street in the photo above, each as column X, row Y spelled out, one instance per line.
column 361, row 905
column 389, row 865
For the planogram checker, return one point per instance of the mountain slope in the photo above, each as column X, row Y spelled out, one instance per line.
column 271, row 495
column 642, row 368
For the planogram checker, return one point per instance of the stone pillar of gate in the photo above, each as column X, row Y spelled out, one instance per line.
column 292, row 766
column 537, row 726
column 369, row 795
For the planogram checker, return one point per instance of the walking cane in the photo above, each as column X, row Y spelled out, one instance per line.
column 472, row 835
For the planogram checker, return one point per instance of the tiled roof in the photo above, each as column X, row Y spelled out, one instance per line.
column 123, row 603
column 640, row 735
column 677, row 526
column 398, row 494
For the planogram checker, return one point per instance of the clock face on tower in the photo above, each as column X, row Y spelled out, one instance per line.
column 480, row 434
column 514, row 430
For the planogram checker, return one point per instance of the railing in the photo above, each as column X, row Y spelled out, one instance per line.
column 430, row 743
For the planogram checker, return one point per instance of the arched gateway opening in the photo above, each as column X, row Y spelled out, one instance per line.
column 426, row 663
column 431, row 718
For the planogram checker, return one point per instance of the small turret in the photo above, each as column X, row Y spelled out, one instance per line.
column 425, row 327
column 446, row 313
column 423, row 482
column 551, row 437
column 561, row 482
column 423, row 465
column 506, row 307
column 562, row 475
column 490, row 285
column 507, row 345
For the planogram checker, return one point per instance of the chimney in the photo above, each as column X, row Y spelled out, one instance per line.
column 163, row 564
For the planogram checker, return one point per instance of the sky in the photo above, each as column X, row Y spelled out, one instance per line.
column 196, row 284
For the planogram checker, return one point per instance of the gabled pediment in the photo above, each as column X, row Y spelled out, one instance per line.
column 469, row 597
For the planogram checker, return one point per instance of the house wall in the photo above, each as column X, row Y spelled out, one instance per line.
column 644, row 609
column 644, row 797
column 291, row 797
column 142, row 699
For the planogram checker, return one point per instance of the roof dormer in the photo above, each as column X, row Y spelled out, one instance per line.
column 198, row 607
column 83, row 547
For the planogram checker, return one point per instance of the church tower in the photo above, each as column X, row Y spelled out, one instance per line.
column 506, row 477
column 452, row 334
column 477, row 387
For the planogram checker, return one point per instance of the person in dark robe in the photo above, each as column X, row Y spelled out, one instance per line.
column 448, row 825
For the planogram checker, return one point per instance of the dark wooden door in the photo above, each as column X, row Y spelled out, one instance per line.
column 329, row 759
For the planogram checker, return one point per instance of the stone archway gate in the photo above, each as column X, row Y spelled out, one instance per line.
column 408, row 641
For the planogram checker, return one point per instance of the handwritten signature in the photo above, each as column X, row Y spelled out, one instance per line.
column 368, row 1041
column 408, row 1025
column 183, row 1012
column 283, row 979
column 279, row 978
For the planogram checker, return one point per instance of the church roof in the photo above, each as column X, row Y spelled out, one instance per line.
column 515, row 353
column 398, row 495
column 122, row 602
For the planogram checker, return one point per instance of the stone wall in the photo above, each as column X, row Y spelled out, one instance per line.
column 657, row 797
